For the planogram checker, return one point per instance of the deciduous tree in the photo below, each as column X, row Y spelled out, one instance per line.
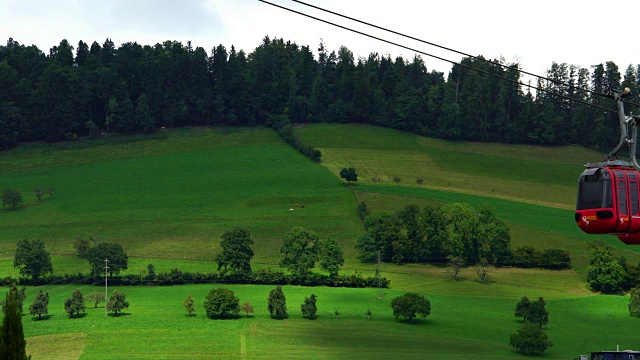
column 277, row 303
column 634, row 302
column 75, row 304
column 41, row 305
column 456, row 263
column 247, row 308
column 482, row 270
column 300, row 249
column 118, row 259
column 236, row 251
column 40, row 193
column 522, row 308
column 309, row 308
column 32, row 259
column 117, row 302
column 409, row 305
column 604, row 272
column 11, row 197
column 96, row 298
column 221, row 302
column 530, row 339
column 189, row 305
column 83, row 245
column 349, row 174
column 538, row 314
column 332, row 257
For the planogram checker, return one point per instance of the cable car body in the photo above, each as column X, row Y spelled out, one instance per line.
column 609, row 191
column 608, row 202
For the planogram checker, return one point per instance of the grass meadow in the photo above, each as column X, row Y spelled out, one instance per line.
column 167, row 198
column 155, row 326
column 175, row 205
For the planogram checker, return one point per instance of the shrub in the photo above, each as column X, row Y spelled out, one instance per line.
column 221, row 302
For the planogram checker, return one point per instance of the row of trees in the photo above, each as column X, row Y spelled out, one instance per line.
column 222, row 303
column 74, row 306
column 34, row 261
column 70, row 91
column 432, row 234
column 301, row 250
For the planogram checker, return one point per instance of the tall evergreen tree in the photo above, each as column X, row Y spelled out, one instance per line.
column 12, row 342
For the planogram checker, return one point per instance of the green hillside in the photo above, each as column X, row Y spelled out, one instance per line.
column 538, row 175
column 167, row 198
column 172, row 198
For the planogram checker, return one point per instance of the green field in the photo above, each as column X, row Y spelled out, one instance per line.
column 155, row 326
column 174, row 205
column 167, row 197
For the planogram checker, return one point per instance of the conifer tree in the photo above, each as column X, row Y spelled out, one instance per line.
column 12, row 342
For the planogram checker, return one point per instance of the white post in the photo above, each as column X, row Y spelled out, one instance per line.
column 106, row 292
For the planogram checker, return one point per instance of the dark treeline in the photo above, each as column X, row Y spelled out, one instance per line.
column 82, row 90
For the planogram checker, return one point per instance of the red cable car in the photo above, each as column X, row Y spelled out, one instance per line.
column 608, row 202
column 608, row 191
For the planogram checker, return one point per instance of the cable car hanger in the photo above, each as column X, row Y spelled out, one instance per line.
column 628, row 135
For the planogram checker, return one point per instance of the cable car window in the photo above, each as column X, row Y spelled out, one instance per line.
column 631, row 174
column 622, row 198
column 633, row 188
column 594, row 191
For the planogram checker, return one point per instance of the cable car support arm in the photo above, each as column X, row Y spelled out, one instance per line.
column 628, row 135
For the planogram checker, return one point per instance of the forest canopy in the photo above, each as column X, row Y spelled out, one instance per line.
column 86, row 89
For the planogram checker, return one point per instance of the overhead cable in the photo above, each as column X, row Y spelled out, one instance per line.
column 435, row 56
column 456, row 51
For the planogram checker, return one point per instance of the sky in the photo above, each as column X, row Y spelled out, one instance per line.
column 533, row 33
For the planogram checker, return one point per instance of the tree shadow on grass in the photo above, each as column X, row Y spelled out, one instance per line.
column 414, row 321
column 119, row 314
column 78, row 316
column 191, row 315
column 226, row 317
column 43, row 317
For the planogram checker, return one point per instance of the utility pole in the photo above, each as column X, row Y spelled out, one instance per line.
column 106, row 267
column 379, row 276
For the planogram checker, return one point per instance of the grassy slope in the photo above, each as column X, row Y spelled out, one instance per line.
column 523, row 173
column 163, row 204
column 139, row 191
